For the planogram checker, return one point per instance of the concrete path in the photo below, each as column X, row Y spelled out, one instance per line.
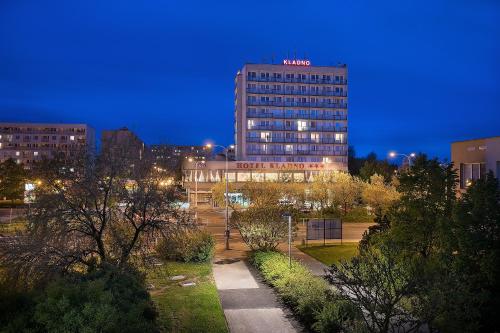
column 249, row 305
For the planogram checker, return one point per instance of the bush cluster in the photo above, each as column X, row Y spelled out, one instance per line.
column 106, row 300
column 311, row 299
column 187, row 245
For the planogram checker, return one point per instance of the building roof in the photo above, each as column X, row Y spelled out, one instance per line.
column 476, row 139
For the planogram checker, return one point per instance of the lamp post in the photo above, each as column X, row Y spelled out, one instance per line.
column 226, row 232
column 408, row 156
column 195, row 180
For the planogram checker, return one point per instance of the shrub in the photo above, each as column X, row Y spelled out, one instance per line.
column 187, row 245
column 308, row 296
column 106, row 300
column 262, row 227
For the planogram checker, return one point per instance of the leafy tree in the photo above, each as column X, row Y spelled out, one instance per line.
column 378, row 194
column 378, row 282
column 345, row 191
column 475, row 246
column 374, row 166
column 12, row 179
column 263, row 227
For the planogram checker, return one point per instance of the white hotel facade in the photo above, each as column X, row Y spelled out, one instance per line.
column 292, row 112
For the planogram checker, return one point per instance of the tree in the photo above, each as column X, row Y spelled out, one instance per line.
column 378, row 194
column 373, row 166
column 379, row 283
column 12, row 179
column 475, row 261
column 345, row 191
column 262, row 227
column 94, row 212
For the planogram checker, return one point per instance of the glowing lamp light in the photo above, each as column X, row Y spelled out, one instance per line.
column 392, row 154
column 413, row 154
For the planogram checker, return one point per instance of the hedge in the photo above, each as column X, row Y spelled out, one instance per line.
column 311, row 298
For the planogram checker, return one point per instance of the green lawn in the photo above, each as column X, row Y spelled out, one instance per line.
column 187, row 309
column 330, row 254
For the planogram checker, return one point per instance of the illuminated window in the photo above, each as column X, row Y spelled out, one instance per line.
column 251, row 123
column 35, row 153
column 289, row 148
column 72, row 137
column 339, row 137
column 327, row 160
column 18, row 153
column 302, row 125
column 265, row 136
column 315, row 137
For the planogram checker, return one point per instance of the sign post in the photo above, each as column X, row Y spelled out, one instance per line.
column 290, row 240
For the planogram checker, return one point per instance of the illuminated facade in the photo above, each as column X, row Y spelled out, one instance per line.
column 27, row 143
column 474, row 158
column 292, row 112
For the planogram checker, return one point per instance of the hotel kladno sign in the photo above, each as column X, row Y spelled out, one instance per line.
column 296, row 62
column 279, row 166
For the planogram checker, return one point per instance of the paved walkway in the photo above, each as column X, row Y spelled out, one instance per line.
column 250, row 306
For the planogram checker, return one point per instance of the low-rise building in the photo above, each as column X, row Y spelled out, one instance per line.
column 199, row 178
column 27, row 143
column 474, row 158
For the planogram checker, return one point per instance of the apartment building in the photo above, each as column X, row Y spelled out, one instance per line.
column 123, row 143
column 474, row 158
column 27, row 143
column 292, row 112
column 171, row 157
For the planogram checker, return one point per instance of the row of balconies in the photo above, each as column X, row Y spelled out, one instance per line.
column 304, row 104
column 295, row 140
column 33, row 130
column 296, row 80
column 295, row 128
column 295, row 116
column 325, row 153
column 297, row 92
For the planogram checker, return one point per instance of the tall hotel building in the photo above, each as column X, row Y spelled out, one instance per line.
column 291, row 112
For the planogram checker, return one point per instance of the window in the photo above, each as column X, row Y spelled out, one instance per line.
column 315, row 137
column 35, row 153
column 72, row 137
column 251, row 124
column 302, row 125
column 18, row 153
column 289, row 148
column 265, row 136
column 470, row 172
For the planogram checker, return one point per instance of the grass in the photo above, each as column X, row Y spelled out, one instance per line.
column 331, row 254
column 187, row 309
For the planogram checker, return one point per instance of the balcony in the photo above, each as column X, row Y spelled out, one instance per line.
column 296, row 152
column 295, row 116
column 299, row 104
column 296, row 80
column 307, row 92
column 295, row 128
column 294, row 140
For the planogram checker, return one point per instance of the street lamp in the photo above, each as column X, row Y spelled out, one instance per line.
column 393, row 154
column 195, row 180
column 226, row 232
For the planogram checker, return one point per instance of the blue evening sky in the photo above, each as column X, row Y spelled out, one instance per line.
column 421, row 73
